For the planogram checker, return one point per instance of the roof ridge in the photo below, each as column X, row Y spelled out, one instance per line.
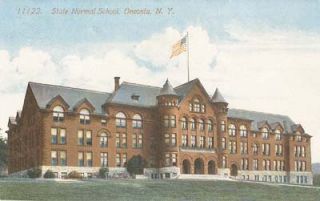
column 268, row 113
column 187, row 83
column 61, row 86
column 136, row 84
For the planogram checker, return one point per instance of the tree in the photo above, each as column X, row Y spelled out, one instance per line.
column 103, row 172
column 49, row 174
column 135, row 165
column 3, row 153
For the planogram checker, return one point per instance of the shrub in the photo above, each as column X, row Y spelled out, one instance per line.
column 34, row 173
column 103, row 172
column 135, row 165
column 48, row 174
column 316, row 179
column 74, row 175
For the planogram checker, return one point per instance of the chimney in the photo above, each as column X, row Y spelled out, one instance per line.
column 116, row 83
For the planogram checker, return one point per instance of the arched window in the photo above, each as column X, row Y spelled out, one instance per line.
column 184, row 123
column 137, row 121
column 243, row 131
column 232, row 130
column 278, row 134
column 84, row 116
column 58, row 113
column 121, row 120
column 201, row 124
column 210, row 125
column 265, row 133
column 193, row 124
column 103, row 140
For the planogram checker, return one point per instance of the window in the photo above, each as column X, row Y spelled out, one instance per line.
column 201, row 124
column 223, row 143
column 184, row 140
column 243, row 131
column 173, row 139
column 222, row 126
column 174, row 159
column 232, row 147
column 278, row 149
column 54, row 158
column 89, row 159
column 58, row 113
column 80, row 159
column 104, row 159
column 118, row 160
column 134, row 141
column 84, row 116
column 184, row 123
column 54, row 135
column 118, row 140
column 232, row 130
column 243, row 147
column 224, row 162
column 210, row 125
column 80, row 137
column 196, row 105
column 265, row 133
column 193, row 141
column 302, row 151
column 266, row 149
column 172, row 121
column 124, row 140
column 121, row 120
column 210, row 142
column 63, row 158
column 244, row 164
column 140, row 141
column 167, row 160
column 255, row 149
column 170, row 139
column 193, row 124
column 278, row 134
column 170, row 159
column 166, row 121
column 202, row 141
column 266, row 164
column 124, row 160
column 88, row 138
column 190, row 107
column 103, row 140
column 203, row 108
column 137, row 121
column 62, row 136
column 255, row 164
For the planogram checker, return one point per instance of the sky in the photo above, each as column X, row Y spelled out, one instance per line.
column 262, row 55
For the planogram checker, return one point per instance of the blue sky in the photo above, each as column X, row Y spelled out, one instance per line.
column 263, row 55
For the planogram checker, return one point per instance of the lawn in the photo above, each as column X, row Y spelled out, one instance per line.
column 151, row 190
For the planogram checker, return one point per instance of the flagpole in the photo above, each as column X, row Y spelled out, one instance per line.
column 188, row 57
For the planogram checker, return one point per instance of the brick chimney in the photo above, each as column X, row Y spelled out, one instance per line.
column 116, row 83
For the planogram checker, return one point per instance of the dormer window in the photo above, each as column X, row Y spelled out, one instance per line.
column 278, row 134
column 298, row 136
column 58, row 113
column 84, row 116
column 265, row 133
column 135, row 97
column 196, row 105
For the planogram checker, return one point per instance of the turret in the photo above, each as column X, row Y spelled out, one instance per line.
column 219, row 102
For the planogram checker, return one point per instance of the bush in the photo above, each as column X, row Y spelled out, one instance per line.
column 103, row 172
column 48, row 174
column 34, row 173
column 74, row 175
column 135, row 165
column 316, row 179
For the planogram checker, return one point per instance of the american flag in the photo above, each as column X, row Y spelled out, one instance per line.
column 179, row 47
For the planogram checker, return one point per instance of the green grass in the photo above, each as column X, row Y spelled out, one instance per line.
column 163, row 190
column 316, row 179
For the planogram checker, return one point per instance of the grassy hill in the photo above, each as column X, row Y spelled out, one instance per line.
column 152, row 190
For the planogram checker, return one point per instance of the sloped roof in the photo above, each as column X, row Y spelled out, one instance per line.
column 183, row 90
column 147, row 95
column 217, row 97
column 44, row 93
column 167, row 89
column 258, row 117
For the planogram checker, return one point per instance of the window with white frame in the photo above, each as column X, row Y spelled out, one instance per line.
column 103, row 140
column 202, row 141
column 243, row 131
column 232, row 130
column 121, row 120
column 255, row 149
column 210, row 125
column 103, row 159
column 184, row 123
column 210, row 142
column 54, row 158
column 193, row 124
column 201, row 125
column 193, row 141
column 278, row 134
column 265, row 133
column 222, row 126
column 223, row 143
column 84, row 116
column 137, row 121
column 255, row 164
column 224, row 162
column 58, row 113
column 184, row 140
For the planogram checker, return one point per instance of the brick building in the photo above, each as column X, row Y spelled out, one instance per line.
column 179, row 130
